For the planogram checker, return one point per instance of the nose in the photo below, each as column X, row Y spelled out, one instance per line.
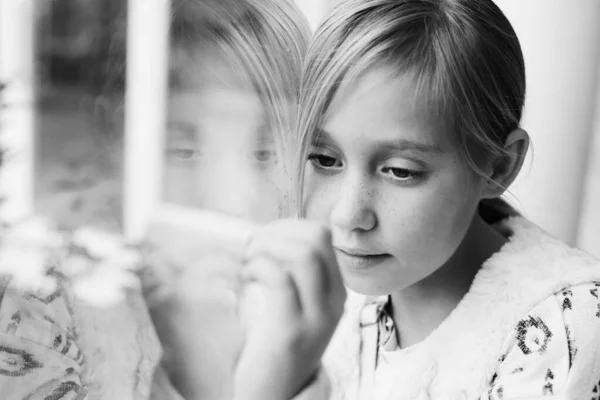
column 225, row 188
column 353, row 210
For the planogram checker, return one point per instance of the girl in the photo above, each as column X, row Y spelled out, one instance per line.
column 409, row 130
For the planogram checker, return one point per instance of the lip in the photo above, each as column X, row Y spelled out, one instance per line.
column 356, row 251
column 359, row 259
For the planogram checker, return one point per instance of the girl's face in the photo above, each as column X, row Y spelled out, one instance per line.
column 220, row 149
column 391, row 184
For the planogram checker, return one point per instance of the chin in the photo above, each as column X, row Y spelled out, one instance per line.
column 370, row 287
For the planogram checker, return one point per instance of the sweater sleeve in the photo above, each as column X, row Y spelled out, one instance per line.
column 554, row 351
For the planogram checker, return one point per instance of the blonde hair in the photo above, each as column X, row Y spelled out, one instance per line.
column 263, row 40
column 464, row 55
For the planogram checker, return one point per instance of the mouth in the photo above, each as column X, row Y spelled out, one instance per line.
column 357, row 259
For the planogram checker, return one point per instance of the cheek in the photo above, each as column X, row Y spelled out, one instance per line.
column 241, row 188
column 427, row 224
column 267, row 192
column 317, row 197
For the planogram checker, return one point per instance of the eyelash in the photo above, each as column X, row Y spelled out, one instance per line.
column 314, row 159
column 183, row 154
column 413, row 175
column 188, row 154
column 263, row 155
column 391, row 172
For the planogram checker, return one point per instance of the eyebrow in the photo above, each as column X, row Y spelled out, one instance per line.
column 265, row 134
column 181, row 130
column 409, row 145
column 396, row 144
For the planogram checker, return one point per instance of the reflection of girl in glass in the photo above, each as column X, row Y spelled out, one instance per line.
column 234, row 78
column 235, row 72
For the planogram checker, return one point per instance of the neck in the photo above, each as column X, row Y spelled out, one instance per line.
column 419, row 309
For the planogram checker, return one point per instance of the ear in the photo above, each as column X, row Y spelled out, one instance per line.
column 506, row 168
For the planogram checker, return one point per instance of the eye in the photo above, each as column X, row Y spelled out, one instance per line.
column 324, row 161
column 184, row 153
column 263, row 155
column 401, row 174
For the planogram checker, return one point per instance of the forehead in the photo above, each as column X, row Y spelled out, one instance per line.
column 382, row 104
column 207, row 64
column 218, row 112
column 215, row 102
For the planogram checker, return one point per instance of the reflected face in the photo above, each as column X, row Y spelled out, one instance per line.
column 391, row 184
column 220, row 152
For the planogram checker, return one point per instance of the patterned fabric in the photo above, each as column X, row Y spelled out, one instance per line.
column 73, row 322
column 542, row 358
column 54, row 348
column 39, row 357
column 554, row 351
column 388, row 335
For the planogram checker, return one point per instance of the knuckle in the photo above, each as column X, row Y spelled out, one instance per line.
column 343, row 296
column 285, row 277
column 336, row 313
column 282, row 226
column 327, row 319
column 324, row 322
column 307, row 255
column 336, row 307
column 250, row 248
column 322, row 234
column 338, row 310
column 278, row 274
column 295, row 338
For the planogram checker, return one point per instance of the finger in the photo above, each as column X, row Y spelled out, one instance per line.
column 318, row 237
column 336, row 288
column 302, row 263
column 282, row 291
column 311, row 237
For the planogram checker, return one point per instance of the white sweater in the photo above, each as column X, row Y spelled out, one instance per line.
column 529, row 328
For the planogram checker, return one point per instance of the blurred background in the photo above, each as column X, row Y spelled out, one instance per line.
column 63, row 65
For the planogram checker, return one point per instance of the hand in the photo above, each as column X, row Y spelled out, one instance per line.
column 295, row 262
column 196, row 319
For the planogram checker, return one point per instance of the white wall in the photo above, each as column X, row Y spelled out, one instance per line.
column 561, row 47
column 588, row 237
